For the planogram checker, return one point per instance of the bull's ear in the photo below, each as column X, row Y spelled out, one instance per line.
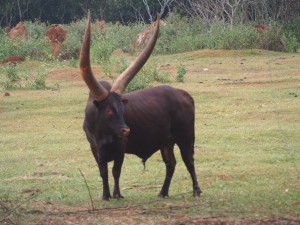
column 125, row 101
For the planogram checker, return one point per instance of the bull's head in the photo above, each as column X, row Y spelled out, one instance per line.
column 109, row 102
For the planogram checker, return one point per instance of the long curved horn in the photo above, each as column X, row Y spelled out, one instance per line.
column 123, row 80
column 95, row 87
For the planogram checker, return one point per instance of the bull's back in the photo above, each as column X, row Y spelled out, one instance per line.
column 155, row 116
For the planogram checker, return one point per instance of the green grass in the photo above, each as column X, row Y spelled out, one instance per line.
column 246, row 150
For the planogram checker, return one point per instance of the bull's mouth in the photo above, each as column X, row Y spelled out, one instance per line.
column 122, row 136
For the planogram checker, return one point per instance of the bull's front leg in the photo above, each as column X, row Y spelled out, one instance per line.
column 116, row 171
column 104, row 175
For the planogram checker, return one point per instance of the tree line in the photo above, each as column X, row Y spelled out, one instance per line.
column 130, row 11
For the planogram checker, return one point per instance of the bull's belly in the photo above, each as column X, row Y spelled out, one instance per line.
column 143, row 148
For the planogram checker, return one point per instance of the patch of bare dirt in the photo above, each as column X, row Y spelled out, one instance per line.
column 37, row 212
column 69, row 74
column 114, row 216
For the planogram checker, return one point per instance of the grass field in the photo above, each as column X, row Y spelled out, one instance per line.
column 246, row 151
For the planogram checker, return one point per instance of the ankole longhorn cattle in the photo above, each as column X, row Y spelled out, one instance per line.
column 140, row 122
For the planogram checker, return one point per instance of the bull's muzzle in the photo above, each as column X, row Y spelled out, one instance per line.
column 124, row 132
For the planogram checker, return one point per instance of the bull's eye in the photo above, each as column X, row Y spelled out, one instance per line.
column 109, row 112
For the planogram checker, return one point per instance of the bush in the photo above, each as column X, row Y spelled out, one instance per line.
column 147, row 74
column 11, row 78
column 180, row 35
column 14, row 79
column 12, row 73
column 290, row 43
column 223, row 36
column 72, row 45
column 36, row 30
column 35, row 48
column 7, row 48
column 39, row 82
column 181, row 72
column 291, row 36
column 270, row 38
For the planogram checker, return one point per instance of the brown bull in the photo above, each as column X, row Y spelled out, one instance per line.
column 141, row 122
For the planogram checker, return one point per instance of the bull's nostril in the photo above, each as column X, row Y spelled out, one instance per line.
column 125, row 132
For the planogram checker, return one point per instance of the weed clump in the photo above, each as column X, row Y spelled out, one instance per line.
column 181, row 72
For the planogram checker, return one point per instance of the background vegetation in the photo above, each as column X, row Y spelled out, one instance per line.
column 180, row 35
column 191, row 25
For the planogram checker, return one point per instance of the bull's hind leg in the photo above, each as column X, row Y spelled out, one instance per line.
column 167, row 153
column 187, row 153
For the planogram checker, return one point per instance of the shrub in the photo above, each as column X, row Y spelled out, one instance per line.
column 144, row 78
column 180, row 35
column 291, row 35
column 270, row 38
column 223, row 36
column 72, row 45
column 7, row 47
column 36, row 30
column 35, row 48
column 181, row 72
column 290, row 42
column 16, row 80
column 39, row 81
column 11, row 78
column 162, row 77
column 12, row 73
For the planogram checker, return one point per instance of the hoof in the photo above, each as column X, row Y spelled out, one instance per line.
column 160, row 195
column 105, row 199
column 196, row 193
column 118, row 197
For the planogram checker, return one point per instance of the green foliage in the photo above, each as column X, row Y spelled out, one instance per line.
column 162, row 77
column 12, row 73
column 223, row 36
column 73, row 62
column 7, row 48
column 121, row 65
column 35, row 48
column 16, row 78
column 270, row 38
column 293, row 28
column 35, row 30
column 290, row 42
column 72, row 44
column 39, row 82
column 181, row 34
column 141, row 80
column 291, row 36
column 12, row 77
column 146, row 76
column 181, row 72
